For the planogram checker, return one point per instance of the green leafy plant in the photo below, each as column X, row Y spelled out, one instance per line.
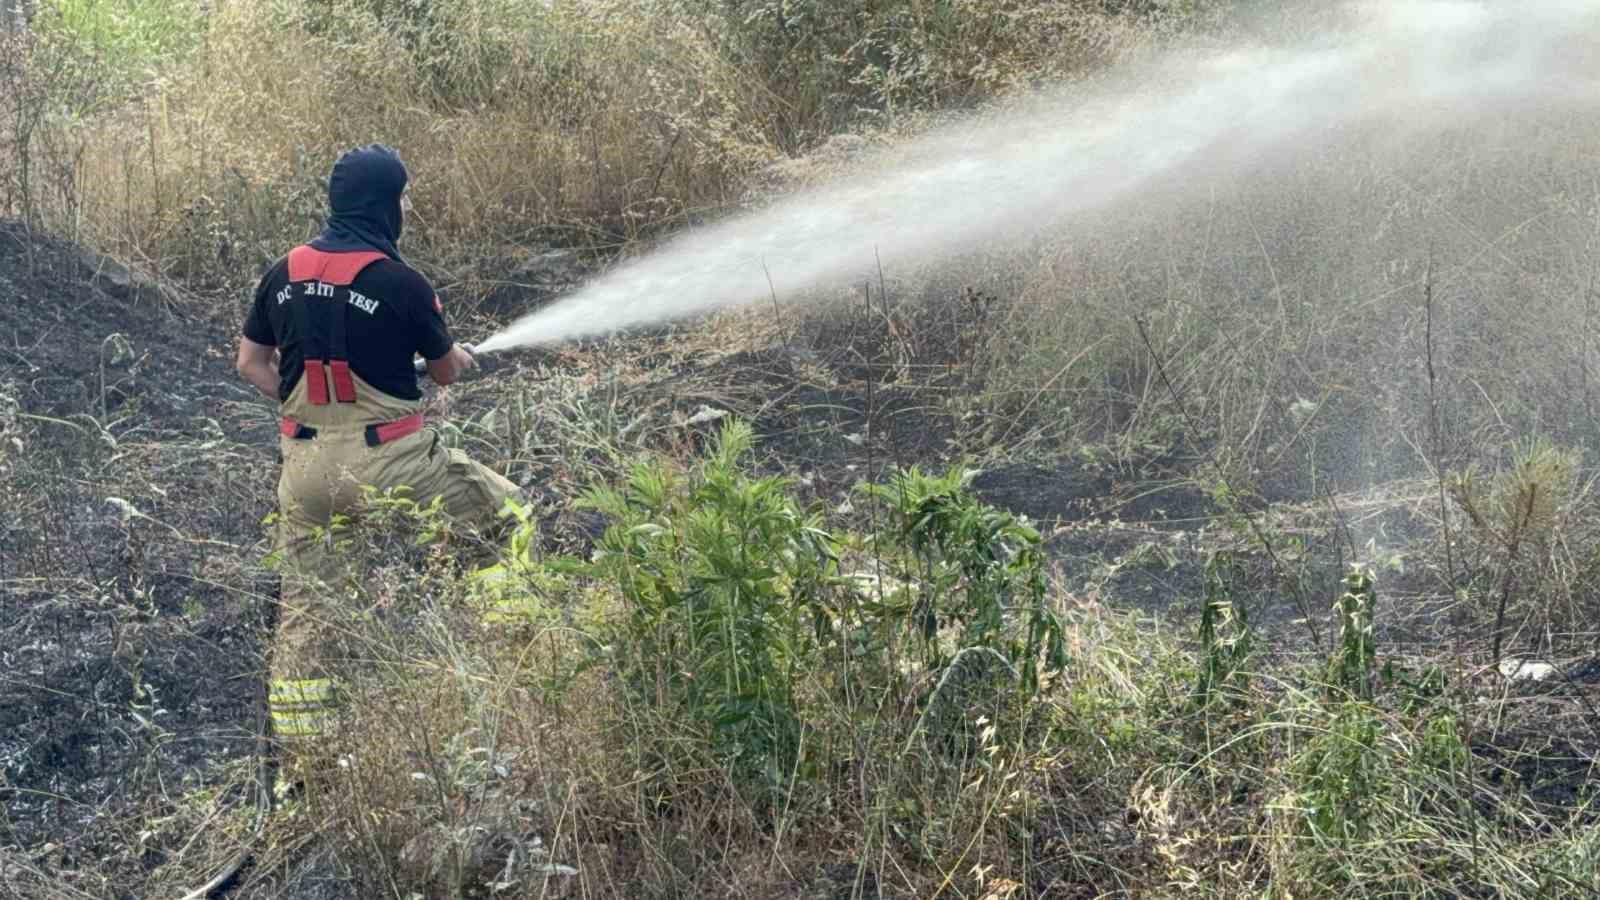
column 1353, row 668
column 519, row 589
column 732, row 596
column 725, row 582
column 1345, row 773
column 975, row 575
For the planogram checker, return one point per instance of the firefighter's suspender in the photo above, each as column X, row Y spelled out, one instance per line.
column 312, row 350
column 306, row 265
column 344, row 388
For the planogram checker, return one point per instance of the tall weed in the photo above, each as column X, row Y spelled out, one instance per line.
column 733, row 597
column 728, row 590
column 970, row 576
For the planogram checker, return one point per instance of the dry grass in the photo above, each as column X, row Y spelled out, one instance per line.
column 1288, row 308
column 483, row 746
column 593, row 124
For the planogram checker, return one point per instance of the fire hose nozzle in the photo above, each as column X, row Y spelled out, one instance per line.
column 421, row 365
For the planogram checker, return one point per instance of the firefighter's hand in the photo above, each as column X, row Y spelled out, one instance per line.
column 446, row 369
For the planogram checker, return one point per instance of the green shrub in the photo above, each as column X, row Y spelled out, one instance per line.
column 735, row 616
column 728, row 589
column 971, row 575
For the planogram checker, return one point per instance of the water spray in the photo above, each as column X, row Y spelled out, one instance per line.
column 1413, row 65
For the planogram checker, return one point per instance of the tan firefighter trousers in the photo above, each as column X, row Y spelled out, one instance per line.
column 322, row 477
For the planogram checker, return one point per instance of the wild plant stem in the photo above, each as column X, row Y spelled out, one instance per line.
column 661, row 168
column 877, row 552
column 1513, row 548
column 1249, row 517
column 883, row 300
column 870, row 411
column 777, row 314
column 1344, row 524
column 1434, row 426
column 1583, row 349
column 1588, row 315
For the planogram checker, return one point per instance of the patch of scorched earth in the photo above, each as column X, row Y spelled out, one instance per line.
column 131, row 606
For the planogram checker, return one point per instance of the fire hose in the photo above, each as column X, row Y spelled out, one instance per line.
column 263, row 804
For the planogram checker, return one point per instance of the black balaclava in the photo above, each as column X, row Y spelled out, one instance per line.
column 364, row 201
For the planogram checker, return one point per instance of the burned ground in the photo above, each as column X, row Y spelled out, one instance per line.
column 136, row 470
column 130, row 611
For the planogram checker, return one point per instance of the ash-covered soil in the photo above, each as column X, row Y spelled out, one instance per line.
column 133, row 482
column 135, row 472
column 136, row 469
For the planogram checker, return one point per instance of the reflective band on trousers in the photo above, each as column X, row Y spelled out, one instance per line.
column 301, row 725
column 301, row 708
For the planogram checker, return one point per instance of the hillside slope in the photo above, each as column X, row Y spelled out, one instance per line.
column 134, row 474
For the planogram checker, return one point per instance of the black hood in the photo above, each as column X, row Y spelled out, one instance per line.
column 364, row 202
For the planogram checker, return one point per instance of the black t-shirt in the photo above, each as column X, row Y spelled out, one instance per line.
column 391, row 313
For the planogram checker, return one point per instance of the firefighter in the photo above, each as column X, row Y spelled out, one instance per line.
column 332, row 338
